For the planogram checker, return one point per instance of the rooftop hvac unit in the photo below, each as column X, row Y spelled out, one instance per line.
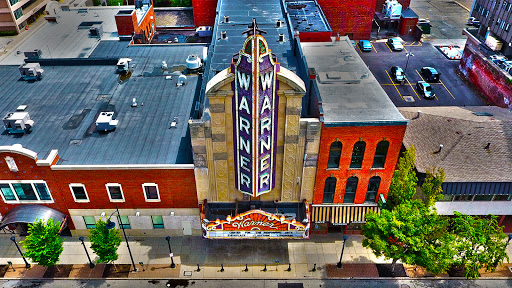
column 36, row 54
column 193, row 62
column 123, row 65
column 31, row 71
column 105, row 122
column 96, row 30
column 17, row 122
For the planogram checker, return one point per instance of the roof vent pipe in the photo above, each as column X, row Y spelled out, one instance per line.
column 281, row 37
column 440, row 148
column 417, row 115
column 223, row 35
column 226, row 19
column 487, row 146
column 279, row 23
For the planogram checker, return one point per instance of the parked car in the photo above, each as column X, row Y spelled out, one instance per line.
column 395, row 44
column 425, row 89
column 397, row 74
column 430, row 74
column 365, row 45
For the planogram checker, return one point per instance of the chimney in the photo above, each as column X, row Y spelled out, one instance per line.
column 417, row 115
column 226, row 19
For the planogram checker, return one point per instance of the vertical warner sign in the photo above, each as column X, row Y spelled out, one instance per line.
column 255, row 117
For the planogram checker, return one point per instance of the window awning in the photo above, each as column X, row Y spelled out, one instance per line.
column 477, row 188
column 342, row 214
column 30, row 214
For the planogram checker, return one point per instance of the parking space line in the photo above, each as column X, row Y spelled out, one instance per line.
column 394, row 85
column 413, row 90
column 420, row 75
column 359, row 49
column 389, row 49
column 446, row 89
column 374, row 48
column 405, row 49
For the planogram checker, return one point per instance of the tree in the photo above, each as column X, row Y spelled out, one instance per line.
column 411, row 233
column 478, row 243
column 431, row 188
column 403, row 184
column 43, row 245
column 104, row 242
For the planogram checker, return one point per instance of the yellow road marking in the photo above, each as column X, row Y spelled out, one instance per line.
column 420, row 75
column 413, row 89
column 405, row 49
column 387, row 45
column 394, row 85
column 446, row 89
column 373, row 47
column 359, row 48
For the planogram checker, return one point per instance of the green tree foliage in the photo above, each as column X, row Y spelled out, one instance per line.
column 173, row 3
column 104, row 242
column 403, row 184
column 43, row 244
column 411, row 233
column 432, row 186
column 478, row 243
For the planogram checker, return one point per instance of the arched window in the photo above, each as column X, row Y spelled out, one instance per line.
column 330, row 188
column 380, row 154
column 350, row 190
column 357, row 155
column 373, row 189
column 334, row 155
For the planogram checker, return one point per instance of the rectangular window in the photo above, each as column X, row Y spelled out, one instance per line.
column 482, row 198
column 151, row 192
column 502, row 198
column 24, row 191
column 18, row 13
column 7, row 192
column 115, row 192
column 78, row 192
column 42, row 191
column 158, row 222
column 90, row 222
column 13, row 2
column 508, row 27
column 462, row 197
column 125, row 222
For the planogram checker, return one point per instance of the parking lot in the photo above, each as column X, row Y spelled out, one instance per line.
column 449, row 91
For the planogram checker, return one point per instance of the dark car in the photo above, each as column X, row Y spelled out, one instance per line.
column 430, row 74
column 425, row 89
column 397, row 74
column 365, row 45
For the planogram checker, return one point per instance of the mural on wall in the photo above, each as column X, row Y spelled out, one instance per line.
column 255, row 108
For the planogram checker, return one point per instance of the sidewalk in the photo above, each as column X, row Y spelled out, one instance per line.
column 301, row 255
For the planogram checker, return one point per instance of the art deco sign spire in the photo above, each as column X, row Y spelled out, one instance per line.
column 255, row 115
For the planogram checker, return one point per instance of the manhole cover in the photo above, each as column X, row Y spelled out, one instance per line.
column 408, row 98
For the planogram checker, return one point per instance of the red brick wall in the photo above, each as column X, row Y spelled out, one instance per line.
column 315, row 36
column 204, row 12
column 484, row 75
column 380, row 4
column 353, row 17
column 176, row 186
column 348, row 136
column 127, row 24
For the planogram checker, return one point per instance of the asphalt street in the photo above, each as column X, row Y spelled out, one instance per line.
column 450, row 91
column 191, row 283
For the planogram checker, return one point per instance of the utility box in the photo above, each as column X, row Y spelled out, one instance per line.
column 123, row 65
column 36, row 54
column 96, row 30
column 17, row 122
column 105, row 122
column 31, row 71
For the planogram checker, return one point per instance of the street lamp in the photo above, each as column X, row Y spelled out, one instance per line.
column 111, row 225
column 345, row 237
column 13, row 239
column 168, row 238
column 91, row 265
column 408, row 55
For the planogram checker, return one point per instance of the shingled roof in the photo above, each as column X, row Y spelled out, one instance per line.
column 464, row 136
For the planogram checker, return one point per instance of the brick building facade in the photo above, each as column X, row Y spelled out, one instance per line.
column 138, row 24
column 352, row 19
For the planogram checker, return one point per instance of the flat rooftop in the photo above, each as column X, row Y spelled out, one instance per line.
column 65, row 39
column 348, row 92
column 65, row 103
column 307, row 16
